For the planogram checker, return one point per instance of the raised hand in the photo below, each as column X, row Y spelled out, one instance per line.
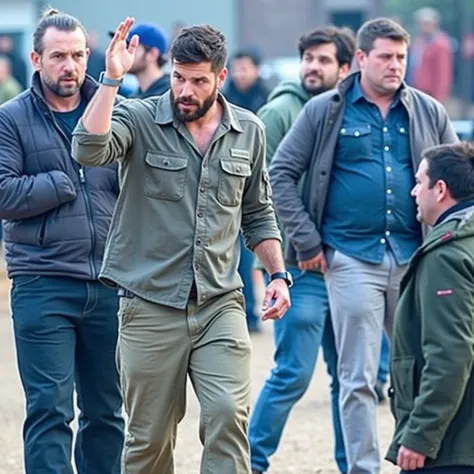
column 119, row 56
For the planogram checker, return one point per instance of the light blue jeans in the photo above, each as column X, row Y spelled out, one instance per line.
column 298, row 336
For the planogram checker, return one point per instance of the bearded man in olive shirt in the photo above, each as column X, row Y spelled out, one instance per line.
column 192, row 174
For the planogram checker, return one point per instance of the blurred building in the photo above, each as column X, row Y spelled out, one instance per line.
column 102, row 15
column 273, row 25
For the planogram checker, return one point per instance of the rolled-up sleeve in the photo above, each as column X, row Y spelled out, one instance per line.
column 91, row 149
column 258, row 216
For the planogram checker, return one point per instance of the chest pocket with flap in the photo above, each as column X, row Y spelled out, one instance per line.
column 233, row 175
column 165, row 176
column 355, row 143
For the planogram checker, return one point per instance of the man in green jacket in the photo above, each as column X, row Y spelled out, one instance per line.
column 432, row 378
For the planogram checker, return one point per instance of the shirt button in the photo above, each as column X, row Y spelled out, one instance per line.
column 200, row 214
column 385, row 129
column 387, row 148
column 198, row 242
column 202, row 190
column 343, row 130
column 356, row 134
column 166, row 163
column 237, row 168
column 389, row 191
column 389, row 211
column 389, row 169
column 402, row 130
column 387, row 233
column 382, row 240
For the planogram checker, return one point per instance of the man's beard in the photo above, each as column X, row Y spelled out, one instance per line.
column 201, row 110
column 138, row 66
column 60, row 91
column 316, row 90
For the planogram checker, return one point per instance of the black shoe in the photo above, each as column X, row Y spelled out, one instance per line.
column 380, row 392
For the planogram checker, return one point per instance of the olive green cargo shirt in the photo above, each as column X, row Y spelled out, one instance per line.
column 179, row 213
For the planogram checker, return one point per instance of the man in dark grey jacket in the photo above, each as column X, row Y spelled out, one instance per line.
column 56, row 219
column 358, row 148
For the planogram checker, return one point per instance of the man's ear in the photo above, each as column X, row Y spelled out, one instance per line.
column 221, row 77
column 361, row 58
column 344, row 71
column 442, row 190
column 153, row 54
column 35, row 60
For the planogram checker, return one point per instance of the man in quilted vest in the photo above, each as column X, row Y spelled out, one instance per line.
column 56, row 218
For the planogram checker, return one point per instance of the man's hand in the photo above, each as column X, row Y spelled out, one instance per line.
column 119, row 57
column 410, row 460
column 316, row 262
column 277, row 291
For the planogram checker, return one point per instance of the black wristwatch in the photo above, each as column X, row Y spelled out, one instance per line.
column 283, row 276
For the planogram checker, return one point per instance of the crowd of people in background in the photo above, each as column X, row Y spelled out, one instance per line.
column 351, row 100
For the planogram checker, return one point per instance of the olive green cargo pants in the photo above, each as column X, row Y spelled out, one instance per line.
column 158, row 348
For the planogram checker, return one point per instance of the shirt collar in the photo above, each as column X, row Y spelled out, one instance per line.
column 164, row 113
column 357, row 93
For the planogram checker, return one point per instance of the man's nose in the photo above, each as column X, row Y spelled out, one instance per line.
column 68, row 65
column 187, row 89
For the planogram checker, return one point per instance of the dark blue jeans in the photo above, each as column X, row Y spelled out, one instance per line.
column 246, row 267
column 298, row 335
column 66, row 335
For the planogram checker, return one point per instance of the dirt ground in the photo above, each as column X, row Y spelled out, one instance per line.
column 306, row 447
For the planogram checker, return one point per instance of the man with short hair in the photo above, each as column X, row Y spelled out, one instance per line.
column 192, row 169
column 326, row 55
column 432, row 372
column 56, row 218
column 150, row 58
column 245, row 87
column 358, row 147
